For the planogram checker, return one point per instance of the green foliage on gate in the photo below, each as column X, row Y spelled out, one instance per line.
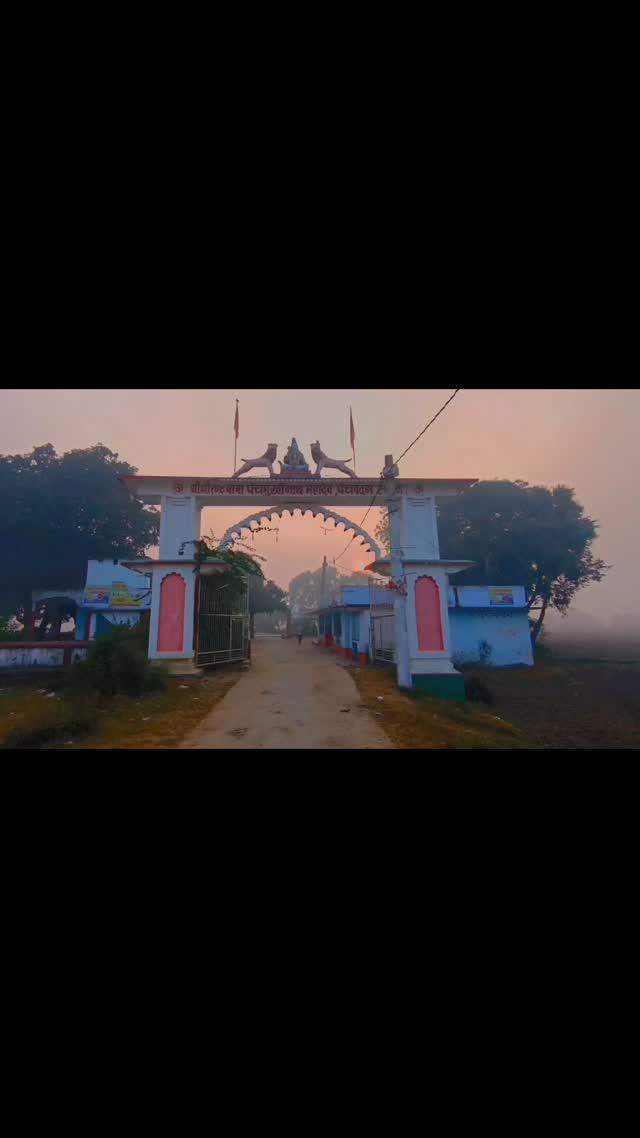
column 240, row 565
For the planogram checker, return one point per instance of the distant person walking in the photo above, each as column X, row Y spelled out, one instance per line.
column 299, row 638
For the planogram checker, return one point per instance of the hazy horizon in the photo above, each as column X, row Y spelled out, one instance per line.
column 586, row 439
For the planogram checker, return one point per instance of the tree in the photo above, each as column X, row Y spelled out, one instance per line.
column 304, row 590
column 265, row 596
column 382, row 533
column 56, row 512
column 520, row 535
column 271, row 622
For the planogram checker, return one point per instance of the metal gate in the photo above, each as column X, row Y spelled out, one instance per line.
column 222, row 626
column 382, row 625
column 383, row 637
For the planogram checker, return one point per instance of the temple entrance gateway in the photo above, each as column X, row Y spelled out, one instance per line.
column 417, row 575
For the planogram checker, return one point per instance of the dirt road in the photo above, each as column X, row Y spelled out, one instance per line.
column 292, row 696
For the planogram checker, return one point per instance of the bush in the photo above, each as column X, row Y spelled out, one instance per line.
column 117, row 665
column 542, row 652
column 139, row 633
column 477, row 690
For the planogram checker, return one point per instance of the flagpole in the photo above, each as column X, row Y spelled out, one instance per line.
column 235, row 441
column 353, row 437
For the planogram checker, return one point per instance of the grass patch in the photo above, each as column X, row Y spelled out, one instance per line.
column 34, row 718
column 424, row 723
column 29, row 718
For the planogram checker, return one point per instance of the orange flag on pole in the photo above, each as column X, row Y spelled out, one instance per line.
column 236, row 427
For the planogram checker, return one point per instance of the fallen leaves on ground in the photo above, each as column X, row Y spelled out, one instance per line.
column 411, row 721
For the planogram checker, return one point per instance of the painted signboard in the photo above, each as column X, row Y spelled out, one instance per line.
column 116, row 595
column 500, row 596
column 97, row 595
column 123, row 596
column 265, row 487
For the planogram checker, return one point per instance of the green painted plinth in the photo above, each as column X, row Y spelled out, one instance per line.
column 442, row 687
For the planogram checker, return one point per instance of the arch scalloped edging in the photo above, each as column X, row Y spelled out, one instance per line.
column 270, row 513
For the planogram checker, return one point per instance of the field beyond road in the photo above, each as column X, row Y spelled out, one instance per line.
column 564, row 703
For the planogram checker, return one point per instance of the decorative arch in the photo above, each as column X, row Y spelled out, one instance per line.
column 235, row 530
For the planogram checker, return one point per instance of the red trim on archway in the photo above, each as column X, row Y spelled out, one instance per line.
column 428, row 616
column 171, row 621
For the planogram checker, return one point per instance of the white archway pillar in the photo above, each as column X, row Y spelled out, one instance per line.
column 180, row 521
column 421, row 614
column 173, row 585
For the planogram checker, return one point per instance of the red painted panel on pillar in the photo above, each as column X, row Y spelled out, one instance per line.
column 428, row 618
column 171, row 622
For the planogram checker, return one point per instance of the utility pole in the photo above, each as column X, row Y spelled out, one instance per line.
column 323, row 583
column 397, row 575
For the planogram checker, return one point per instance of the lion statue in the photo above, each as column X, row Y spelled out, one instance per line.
column 321, row 460
column 267, row 459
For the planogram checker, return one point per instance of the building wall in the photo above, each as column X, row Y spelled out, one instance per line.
column 507, row 635
column 93, row 624
column 106, row 572
column 40, row 657
column 354, row 627
column 483, row 596
column 363, row 631
column 125, row 619
column 487, row 623
column 360, row 595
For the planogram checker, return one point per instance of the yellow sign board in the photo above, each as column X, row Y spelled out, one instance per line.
column 122, row 597
column 116, row 595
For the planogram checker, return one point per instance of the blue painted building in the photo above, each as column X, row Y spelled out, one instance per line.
column 489, row 624
column 112, row 595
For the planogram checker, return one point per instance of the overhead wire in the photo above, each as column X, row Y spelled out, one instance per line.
column 429, row 424
column 381, row 484
column 397, row 460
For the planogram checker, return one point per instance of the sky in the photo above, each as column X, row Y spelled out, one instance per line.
column 588, row 439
